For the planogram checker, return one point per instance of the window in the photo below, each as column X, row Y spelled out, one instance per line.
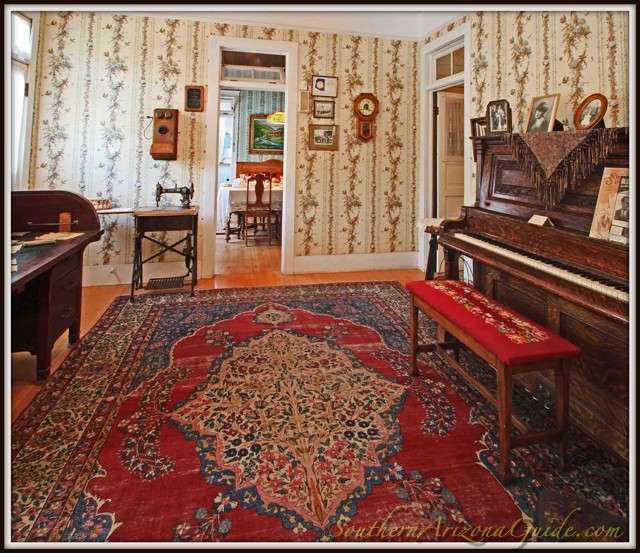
column 450, row 63
column 21, row 43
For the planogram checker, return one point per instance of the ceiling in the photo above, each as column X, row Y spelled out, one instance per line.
column 408, row 22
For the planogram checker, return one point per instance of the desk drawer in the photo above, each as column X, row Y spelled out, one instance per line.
column 70, row 263
column 65, row 301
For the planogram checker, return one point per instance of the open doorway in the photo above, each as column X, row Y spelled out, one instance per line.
column 446, row 183
column 222, row 79
column 243, row 246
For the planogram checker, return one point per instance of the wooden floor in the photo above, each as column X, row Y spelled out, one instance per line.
column 236, row 266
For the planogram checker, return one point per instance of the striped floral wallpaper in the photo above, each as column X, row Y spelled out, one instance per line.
column 102, row 74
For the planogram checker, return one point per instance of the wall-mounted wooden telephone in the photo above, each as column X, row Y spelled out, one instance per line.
column 165, row 134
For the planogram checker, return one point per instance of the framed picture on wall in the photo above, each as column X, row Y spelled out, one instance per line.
column 323, row 137
column 264, row 137
column 324, row 109
column 324, row 86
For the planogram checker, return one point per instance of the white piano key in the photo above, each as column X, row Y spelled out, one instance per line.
column 547, row 268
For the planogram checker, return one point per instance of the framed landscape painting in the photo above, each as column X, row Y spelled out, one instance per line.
column 265, row 138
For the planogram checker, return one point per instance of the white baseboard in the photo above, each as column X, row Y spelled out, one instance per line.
column 105, row 275
column 355, row 262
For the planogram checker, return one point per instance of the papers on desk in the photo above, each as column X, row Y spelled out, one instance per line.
column 58, row 236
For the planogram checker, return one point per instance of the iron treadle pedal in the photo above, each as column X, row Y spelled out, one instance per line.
column 161, row 283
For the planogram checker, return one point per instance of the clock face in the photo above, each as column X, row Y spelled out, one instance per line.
column 366, row 106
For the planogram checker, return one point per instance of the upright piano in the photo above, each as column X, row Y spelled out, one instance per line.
column 557, row 275
column 46, row 289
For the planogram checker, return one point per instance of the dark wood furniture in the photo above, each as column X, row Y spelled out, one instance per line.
column 531, row 268
column 46, row 290
column 272, row 169
column 258, row 211
column 159, row 219
column 508, row 359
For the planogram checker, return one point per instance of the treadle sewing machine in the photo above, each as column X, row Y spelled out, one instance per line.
column 46, row 287
column 185, row 191
column 163, row 219
column 557, row 275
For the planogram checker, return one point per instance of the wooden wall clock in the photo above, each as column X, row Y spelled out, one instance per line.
column 366, row 107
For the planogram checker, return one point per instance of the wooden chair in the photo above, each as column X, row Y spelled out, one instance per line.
column 259, row 209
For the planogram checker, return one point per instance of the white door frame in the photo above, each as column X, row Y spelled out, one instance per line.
column 429, row 85
column 208, row 213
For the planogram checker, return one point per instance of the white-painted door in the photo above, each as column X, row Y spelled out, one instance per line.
column 450, row 157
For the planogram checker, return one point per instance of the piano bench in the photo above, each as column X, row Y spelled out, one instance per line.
column 507, row 341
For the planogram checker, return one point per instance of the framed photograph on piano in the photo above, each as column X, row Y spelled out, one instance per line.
column 498, row 120
column 542, row 114
column 590, row 112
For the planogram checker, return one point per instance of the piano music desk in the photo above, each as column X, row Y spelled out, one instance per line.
column 508, row 342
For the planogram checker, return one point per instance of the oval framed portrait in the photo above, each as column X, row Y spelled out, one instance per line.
column 590, row 112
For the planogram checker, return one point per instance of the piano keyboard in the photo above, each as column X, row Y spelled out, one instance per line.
column 565, row 272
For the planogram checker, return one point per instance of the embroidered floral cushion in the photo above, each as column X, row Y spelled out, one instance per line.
column 510, row 336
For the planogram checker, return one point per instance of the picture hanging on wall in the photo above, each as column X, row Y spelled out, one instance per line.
column 324, row 86
column 264, row 137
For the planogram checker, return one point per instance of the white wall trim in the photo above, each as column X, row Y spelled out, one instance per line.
column 425, row 203
column 355, row 262
column 103, row 275
column 208, row 213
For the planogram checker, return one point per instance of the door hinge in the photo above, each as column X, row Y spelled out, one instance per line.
column 436, row 111
column 26, row 90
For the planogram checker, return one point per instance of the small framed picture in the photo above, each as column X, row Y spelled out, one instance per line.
column 478, row 126
column 324, row 109
column 498, row 119
column 324, row 86
column 323, row 137
column 542, row 115
column 590, row 112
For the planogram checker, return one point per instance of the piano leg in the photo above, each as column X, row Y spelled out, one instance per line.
column 451, row 264
column 431, row 259
column 562, row 411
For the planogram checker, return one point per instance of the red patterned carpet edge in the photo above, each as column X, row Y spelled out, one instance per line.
column 268, row 415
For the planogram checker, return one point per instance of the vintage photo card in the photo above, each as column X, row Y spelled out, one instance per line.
column 614, row 186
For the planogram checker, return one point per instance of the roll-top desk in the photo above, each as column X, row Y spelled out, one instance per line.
column 46, row 290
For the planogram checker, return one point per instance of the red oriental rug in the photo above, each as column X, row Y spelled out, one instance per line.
column 273, row 415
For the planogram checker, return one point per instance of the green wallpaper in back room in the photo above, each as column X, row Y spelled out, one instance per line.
column 102, row 74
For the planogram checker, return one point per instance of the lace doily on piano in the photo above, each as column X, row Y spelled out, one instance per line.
column 556, row 161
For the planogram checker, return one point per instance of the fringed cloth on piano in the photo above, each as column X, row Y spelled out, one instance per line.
column 556, row 161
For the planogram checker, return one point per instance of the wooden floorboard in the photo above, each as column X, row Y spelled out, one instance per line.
column 237, row 266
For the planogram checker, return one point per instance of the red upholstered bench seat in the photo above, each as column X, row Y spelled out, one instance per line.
column 507, row 341
column 511, row 337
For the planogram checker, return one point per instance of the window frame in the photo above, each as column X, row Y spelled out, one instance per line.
column 20, row 180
